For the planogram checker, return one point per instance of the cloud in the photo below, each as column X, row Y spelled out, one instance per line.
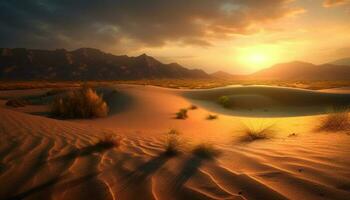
column 332, row 3
column 110, row 23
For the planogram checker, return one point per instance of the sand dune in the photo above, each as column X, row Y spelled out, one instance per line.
column 43, row 158
column 269, row 101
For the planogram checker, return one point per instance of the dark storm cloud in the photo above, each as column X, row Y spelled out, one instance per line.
column 103, row 23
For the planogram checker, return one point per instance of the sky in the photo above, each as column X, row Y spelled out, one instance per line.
column 236, row 36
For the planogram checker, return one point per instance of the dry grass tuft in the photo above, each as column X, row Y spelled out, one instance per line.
column 336, row 121
column 211, row 117
column 182, row 114
column 109, row 141
column 206, row 151
column 262, row 132
column 15, row 103
column 193, row 107
column 82, row 103
column 293, row 135
column 172, row 143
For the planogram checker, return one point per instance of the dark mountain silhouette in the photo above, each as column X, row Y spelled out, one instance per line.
column 303, row 71
column 93, row 64
column 85, row 64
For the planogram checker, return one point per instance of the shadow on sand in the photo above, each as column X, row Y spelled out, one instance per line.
column 62, row 182
column 191, row 167
column 69, row 158
column 99, row 147
column 200, row 154
column 145, row 171
column 54, row 182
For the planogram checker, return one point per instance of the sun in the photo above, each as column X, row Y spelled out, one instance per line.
column 256, row 59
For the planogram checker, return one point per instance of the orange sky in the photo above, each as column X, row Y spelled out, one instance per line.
column 316, row 33
column 237, row 36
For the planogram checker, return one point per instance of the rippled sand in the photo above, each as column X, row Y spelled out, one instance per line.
column 44, row 158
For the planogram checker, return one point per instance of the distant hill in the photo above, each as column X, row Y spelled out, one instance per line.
column 226, row 75
column 85, row 64
column 303, row 71
column 222, row 75
column 343, row 61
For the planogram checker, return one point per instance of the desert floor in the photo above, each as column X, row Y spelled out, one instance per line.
column 44, row 158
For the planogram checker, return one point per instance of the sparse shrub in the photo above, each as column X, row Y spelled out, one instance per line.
column 108, row 142
column 336, row 121
column 206, row 151
column 293, row 135
column 211, row 117
column 182, row 114
column 17, row 103
column 82, row 103
column 261, row 133
column 224, row 101
column 193, row 107
column 172, row 143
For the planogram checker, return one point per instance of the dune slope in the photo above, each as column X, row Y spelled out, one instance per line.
column 269, row 101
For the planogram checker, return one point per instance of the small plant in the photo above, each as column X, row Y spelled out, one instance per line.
column 224, row 101
column 336, row 121
column 261, row 133
column 182, row 114
column 293, row 135
column 17, row 103
column 206, row 151
column 109, row 141
column 211, row 117
column 82, row 103
column 172, row 143
column 193, row 107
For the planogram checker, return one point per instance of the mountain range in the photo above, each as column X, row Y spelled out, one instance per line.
column 296, row 70
column 93, row 64
column 85, row 64
column 304, row 71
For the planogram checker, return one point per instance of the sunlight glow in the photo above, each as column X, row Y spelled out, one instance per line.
column 257, row 57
